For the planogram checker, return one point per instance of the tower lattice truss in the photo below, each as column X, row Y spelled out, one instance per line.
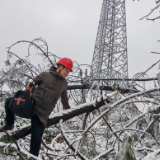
column 110, row 53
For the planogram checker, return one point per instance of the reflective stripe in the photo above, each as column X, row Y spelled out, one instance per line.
column 18, row 100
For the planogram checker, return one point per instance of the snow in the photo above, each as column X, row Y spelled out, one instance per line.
column 153, row 156
column 99, row 130
column 22, row 151
column 93, row 102
column 79, row 138
column 102, row 154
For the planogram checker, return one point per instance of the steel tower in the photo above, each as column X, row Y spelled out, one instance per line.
column 110, row 53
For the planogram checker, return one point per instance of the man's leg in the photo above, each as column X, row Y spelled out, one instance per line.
column 37, row 130
column 9, row 121
column 9, row 114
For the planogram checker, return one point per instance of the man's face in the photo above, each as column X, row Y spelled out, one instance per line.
column 64, row 72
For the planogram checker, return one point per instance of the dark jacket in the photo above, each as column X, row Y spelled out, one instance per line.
column 50, row 87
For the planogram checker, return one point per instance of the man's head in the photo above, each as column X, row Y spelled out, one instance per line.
column 64, row 66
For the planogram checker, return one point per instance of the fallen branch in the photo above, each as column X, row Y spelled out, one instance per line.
column 84, row 108
column 66, row 115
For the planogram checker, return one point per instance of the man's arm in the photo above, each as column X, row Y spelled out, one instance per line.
column 35, row 81
column 38, row 79
column 64, row 100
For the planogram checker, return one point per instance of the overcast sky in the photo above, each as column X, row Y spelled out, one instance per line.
column 70, row 28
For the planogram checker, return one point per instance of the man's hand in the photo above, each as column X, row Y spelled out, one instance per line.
column 30, row 84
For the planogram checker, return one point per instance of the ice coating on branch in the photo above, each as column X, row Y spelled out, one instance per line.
column 61, row 113
column 78, row 138
column 22, row 151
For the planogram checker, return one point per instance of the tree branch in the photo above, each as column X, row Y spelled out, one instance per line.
column 65, row 115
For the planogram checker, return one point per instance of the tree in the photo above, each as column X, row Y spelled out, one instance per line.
column 152, row 11
column 105, row 120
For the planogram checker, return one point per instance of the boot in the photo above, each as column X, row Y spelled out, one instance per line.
column 6, row 127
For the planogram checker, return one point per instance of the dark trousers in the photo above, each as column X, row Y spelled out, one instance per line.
column 9, row 114
column 37, row 129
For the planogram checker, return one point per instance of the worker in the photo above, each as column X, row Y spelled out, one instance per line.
column 51, row 86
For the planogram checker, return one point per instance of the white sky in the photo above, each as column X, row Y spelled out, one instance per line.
column 70, row 28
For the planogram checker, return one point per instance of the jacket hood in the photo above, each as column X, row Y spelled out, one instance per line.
column 53, row 71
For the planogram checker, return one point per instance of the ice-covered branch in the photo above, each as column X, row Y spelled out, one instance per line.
column 66, row 115
column 153, row 156
column 150, row 125
column 137, row 130
column 115, row 105
column 139, row 117
column 152, row 10
column 70, row 145
column 21, row 151
column 103, row 154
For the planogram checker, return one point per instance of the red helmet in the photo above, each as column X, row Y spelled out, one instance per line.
column 66, row 62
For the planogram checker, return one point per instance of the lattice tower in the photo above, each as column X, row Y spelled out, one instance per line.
column 110, row 53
